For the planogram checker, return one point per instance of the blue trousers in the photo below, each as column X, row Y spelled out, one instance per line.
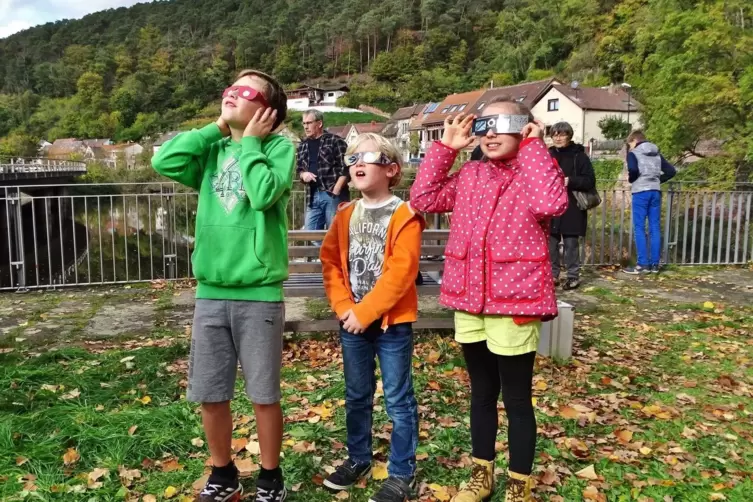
column 394, row 348
column 647, row 206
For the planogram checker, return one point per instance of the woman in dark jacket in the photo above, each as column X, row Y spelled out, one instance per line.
column 571, row 226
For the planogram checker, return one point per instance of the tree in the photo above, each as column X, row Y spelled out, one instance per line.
column 613, row 127
column 19, row 145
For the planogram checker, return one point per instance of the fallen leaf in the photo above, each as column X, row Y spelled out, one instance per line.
column 197, row 442
column 540, row 385
column 342, row 495
column 145, row 400
column 568, row 412
column 71, row 456
column 439, row 492
column 591, row 493
column 50, row 388
column 710, row 306
column 149, row 498
column 199, row 484
column 126, row 359
column 71, row 395
column 170, row 492
column 433, row 357
column 549, row 477
column 645, row 450
column 246, row 467
column 94, row 476
column 588, row 473
column 253, row 448
column 171, row 465
column 379, row 472
column 132, row 430
column 624, row 436
column 21, row 461
column 717, row 496
column 238, row 444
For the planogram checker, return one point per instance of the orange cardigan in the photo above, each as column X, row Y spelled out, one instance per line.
column 394, row 298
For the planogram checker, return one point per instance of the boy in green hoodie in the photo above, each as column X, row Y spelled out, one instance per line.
column 244, row 174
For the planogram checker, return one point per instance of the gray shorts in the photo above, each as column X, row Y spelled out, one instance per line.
column 226, row 332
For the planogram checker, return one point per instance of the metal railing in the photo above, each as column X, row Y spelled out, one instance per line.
column 76, row 235
column 15, row 167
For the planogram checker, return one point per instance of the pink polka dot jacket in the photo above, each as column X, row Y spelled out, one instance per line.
column 497, row 254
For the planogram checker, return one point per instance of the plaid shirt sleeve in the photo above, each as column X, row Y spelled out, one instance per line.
column 302, row 156
column 340, row 168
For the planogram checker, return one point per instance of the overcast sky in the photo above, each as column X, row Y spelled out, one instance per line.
column 17, row 15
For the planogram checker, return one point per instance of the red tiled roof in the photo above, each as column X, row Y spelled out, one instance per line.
column 595, row 98
column 368, row 127
column 469, row 99
column 526, row 92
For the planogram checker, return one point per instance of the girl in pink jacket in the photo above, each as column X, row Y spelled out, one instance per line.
column 497, row 274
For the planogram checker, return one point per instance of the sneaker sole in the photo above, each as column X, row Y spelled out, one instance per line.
column 338, row 488
column 413, row 493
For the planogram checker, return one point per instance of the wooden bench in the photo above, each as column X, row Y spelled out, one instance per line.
column 306, row 281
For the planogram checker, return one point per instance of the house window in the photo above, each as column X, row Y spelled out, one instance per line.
column 462, row 107
column 481, row 105
column 446, row 108
column 453, row 108
column 553, row 105
column 330, row 94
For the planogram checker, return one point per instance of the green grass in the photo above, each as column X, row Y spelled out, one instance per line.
column 696, row 373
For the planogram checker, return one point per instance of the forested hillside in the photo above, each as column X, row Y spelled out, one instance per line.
column 126, row 73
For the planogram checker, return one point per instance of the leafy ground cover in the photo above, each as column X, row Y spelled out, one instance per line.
column 655, row 405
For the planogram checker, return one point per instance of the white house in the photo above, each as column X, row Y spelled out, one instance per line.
column 353, row 130
column 322, row 98
column 398, row 128
column 584, row 107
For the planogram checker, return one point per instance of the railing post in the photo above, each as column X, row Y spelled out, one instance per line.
column 667, row 221
column 170, row 254
column 18, row 238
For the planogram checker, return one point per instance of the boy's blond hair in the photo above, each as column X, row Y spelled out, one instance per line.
column 384, row 146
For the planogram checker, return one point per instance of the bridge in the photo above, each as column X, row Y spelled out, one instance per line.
column 23, row 171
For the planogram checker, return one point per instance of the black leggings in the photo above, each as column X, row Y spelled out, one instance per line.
column 513, row 375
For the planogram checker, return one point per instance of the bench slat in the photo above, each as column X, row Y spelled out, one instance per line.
column 311, row 267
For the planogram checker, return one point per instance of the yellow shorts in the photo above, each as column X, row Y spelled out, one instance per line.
column 501, row 334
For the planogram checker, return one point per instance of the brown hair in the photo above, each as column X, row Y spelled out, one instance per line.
column 505, row 98
column 636, row 136
column 274, row 93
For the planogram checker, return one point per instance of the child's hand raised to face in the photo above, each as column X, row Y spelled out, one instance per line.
column 457, row 132
column 533, row 129
column 261, row 123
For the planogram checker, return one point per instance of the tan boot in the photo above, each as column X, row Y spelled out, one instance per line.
column 518, row 488
column 481, row 485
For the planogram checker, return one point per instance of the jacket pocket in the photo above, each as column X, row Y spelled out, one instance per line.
column 455, row 272
column 517, row 272
column 227, row 256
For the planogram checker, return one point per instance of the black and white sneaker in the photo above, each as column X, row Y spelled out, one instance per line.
column 347, row 475
column 221, row 490
column 395, row 490
column 270, row 491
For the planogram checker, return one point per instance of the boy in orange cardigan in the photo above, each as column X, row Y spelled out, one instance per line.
column 370, row 260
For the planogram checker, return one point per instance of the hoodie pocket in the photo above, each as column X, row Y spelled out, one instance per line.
column 226, row 256
column 517, row 272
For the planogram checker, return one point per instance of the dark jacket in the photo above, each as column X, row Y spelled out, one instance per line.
column 580, row 173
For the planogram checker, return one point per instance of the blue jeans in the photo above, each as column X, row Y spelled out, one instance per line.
column 394, row 348
column 320, row 214
column 647, row 205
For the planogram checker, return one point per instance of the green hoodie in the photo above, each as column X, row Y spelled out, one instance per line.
column 241, row 250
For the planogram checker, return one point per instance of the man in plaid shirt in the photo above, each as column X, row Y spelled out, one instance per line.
column 320, row 165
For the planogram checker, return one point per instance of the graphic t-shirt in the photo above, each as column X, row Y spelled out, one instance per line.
column 368, row 236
